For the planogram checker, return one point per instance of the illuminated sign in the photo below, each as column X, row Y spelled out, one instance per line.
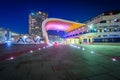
column 29, row 40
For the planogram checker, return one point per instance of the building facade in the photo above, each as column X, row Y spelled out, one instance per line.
column 35, row 22
column 7, row 35
column 102, row 28
column 105, row 27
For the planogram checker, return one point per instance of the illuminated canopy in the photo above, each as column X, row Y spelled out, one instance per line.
column 61, row 25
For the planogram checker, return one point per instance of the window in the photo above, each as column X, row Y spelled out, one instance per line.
column 104, row 35
column 116, row 20
column 107, row 21
column 103, row 21
column 111, row 30
column 114, row 35
column 100, row 30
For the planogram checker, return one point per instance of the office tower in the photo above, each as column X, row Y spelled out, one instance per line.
column 35, row 22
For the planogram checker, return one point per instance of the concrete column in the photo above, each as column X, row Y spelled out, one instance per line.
column 76, row 41
column 88, row 41
column 102, row 30
column 91, row 40
column 81, row 39
column 72, row 41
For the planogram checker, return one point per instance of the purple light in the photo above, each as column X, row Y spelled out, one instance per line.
column 57, row 26
column 113, row 59
column 31, row 51
column 11, row 58
column 39, row 49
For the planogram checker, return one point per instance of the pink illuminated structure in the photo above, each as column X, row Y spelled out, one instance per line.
column 59, row 24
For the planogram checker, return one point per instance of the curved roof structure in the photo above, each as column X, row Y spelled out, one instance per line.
column 58, row 24
column 61, row 25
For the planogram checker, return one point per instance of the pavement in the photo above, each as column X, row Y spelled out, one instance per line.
column 64, row 62
column 7, row 51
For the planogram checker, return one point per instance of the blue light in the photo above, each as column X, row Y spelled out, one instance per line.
column 95, row 30
column 8, row 43
column 105, row 29
column 78, row 47
column 32, row 14
column 24, row 36
column 83, row 49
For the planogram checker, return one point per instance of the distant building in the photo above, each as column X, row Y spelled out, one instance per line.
column 54, row 38
column 7, row 35
column 35, row 22
column 2, row 31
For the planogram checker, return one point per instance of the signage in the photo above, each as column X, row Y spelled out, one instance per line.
column 29, row 40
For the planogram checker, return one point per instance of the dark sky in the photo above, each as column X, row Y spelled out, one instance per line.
column 14, row 13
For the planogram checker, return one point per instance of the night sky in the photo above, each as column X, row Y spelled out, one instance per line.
column 14, row 13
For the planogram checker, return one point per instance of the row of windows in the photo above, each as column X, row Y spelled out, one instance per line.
column 106, row 40
column 110, row 21
column 95, row 30
column 105, row 30
column 76, row 34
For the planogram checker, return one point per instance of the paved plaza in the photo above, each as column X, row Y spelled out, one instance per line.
column 64, row 62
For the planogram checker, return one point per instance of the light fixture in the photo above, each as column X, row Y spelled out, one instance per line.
column 11, row 58
column 83, row 49
column 92, row 52
column 113, row 59
column 39, row 49
column 24, row 36
column 31, row 51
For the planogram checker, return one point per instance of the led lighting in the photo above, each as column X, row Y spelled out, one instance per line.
column 113, row 59
column 78, row 47
column 31, row 51
column 24, row 36
column 92, row 52
column 83, row 49
column 11, row 58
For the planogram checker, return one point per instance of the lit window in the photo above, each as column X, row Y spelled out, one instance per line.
column 111, row 13
column 39, row 12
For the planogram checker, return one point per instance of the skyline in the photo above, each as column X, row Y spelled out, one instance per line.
column 15, row 13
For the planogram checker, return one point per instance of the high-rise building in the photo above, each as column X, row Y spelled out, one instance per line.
column 35, row 22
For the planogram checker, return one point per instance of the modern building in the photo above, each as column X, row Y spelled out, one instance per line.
column 102, row 28
column 35, row 22
column 105, row 27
